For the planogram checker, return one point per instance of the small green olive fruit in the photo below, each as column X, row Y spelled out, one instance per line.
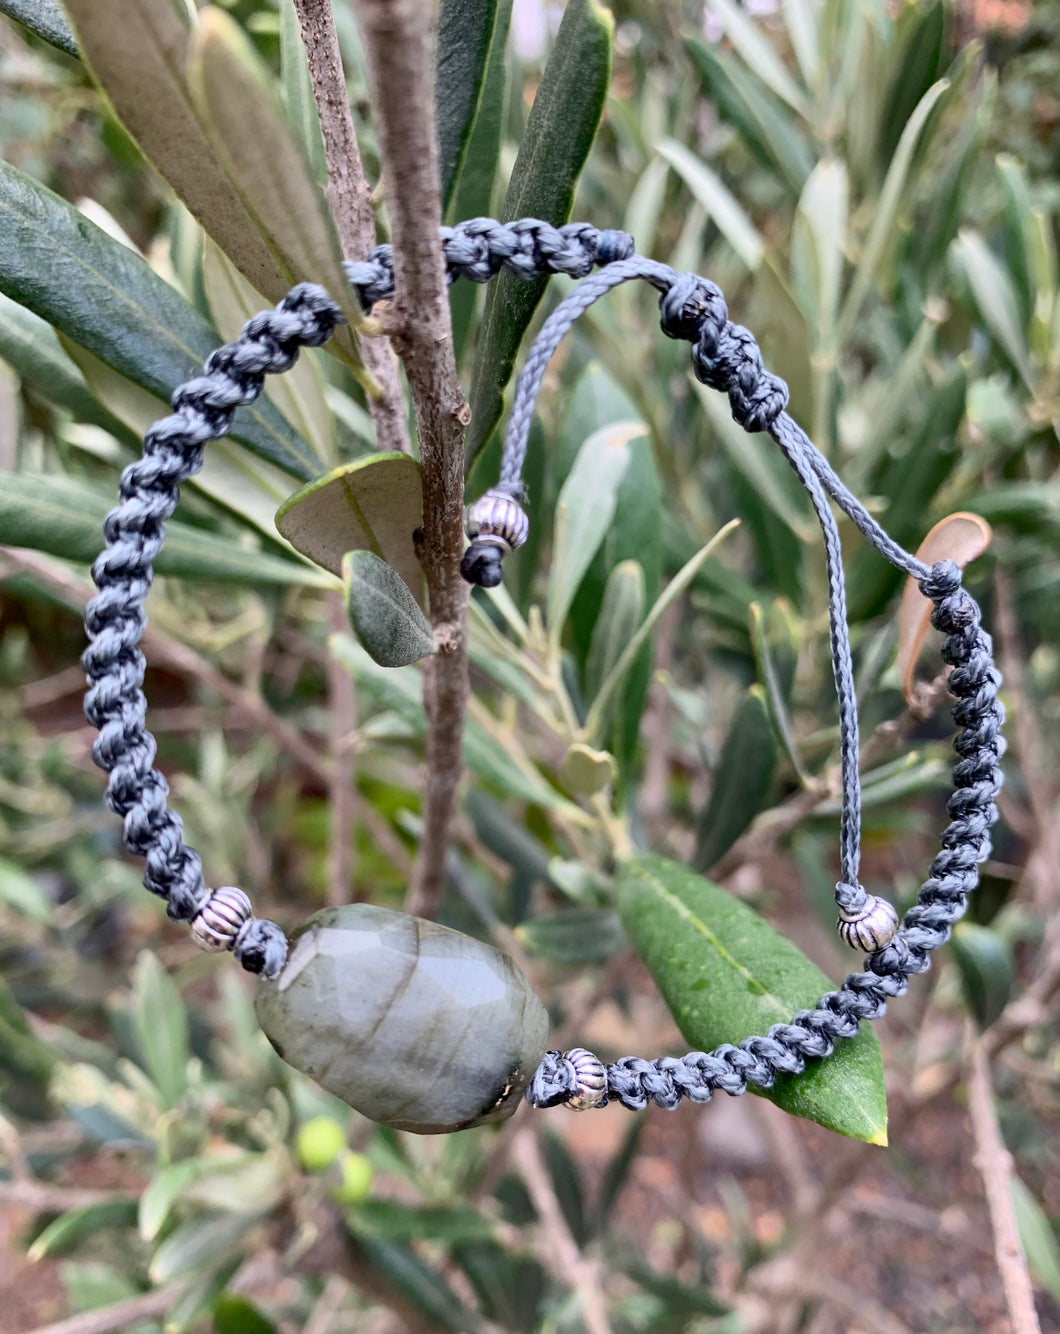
column 413, row 1024
column 356, row 1179
column 319, row 1142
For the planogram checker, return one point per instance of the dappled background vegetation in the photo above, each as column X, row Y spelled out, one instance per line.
column 875, row 187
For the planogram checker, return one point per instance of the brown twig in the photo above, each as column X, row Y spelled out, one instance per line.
column 119, row 1315
column 582, row 1274
column 351, row 203
column 342, row 795
column 399, row 40
column 995, row 1167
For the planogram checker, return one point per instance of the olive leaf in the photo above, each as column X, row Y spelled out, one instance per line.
column 742, row 780
column 103, row 296
column 384, row 614
column 465, row 33
column 960, row 537
column 726, row 974
column 984, row 960
column 45, row 19
column 160, row 1026
column 621, row 612
column 574, row 936
column 559, row 133
column 374, row 504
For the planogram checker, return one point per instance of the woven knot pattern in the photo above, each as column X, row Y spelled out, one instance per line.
column 725, row 356
column 481, row 248
column 942, row 901
column 150, row 488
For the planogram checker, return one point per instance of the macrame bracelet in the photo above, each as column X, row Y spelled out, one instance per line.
column 726, row 357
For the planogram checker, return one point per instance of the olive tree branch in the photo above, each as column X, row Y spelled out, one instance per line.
column 351, row 204
column 399, row 43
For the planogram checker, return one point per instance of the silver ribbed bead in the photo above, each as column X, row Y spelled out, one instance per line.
column 497, row 516
column 871, row 927
column 590, row 1079
column 221, row 918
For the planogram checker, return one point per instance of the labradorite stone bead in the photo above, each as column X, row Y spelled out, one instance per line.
column 411, row 1023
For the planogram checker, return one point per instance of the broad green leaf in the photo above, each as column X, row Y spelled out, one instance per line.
column 160, row 1024
column 718, row 201
column 374, row 504
column 984, row 960
column 107, row 299
column 236, row 103
column 299, row 393
column 71, row 1227
column 585, row 771
column 384, row 614
column 574, row 936
column 621, row 613
column 298, row 98
column 465, row 33
column 1037, row 1238
column 672, row 591
column 64, row 517
column 995, row 298
column 45, row 18
column 30, row 347
column 137, row 51
column 743, row 102
column 201, row 1241
column 726, row 974
column 584, row 512
column 559, row 133
column 885, row 215
column 742, row 780
column 759, row 55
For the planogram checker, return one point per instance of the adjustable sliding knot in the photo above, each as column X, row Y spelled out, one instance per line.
column 496, row 524
column 481, row 248
column 725, row 356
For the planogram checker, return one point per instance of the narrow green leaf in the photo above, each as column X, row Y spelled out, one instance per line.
column 994, row 297
column 133, row 45
column 574, row 936
column 777, row 678
column 672, row 591
column 584, row 512
column 394, row 1221
column 887, row 209
column 1037, row 1238
column 161, row 1192
column 818, row 241
column 718, row 201
column 236, row 103
column 985, row 963
column 559, row 133
column 416, row 1282
column 45, row 19
column 298, row 98
column 374, row 504
column 64, row 517
column 107, row 299
column 18, row 889
column 800, row 19
column 384, row 614
column 234, row 1314
column 744, row 103
column 726, row 975
column 742, row 780
column 201, row 1296
column 65, row 1231
column 201, row 1241
column 759, row 55
column 916, row 64
column 621, row 613
column 160, row 1024
column 465, row 33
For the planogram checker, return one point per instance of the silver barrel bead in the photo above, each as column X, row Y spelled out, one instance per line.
column 870, row 927
column 221, row 918
column 590, row 1079
column 497, row 518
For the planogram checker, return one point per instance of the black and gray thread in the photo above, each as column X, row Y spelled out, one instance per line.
column 725, row 357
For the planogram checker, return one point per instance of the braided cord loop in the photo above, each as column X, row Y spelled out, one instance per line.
column 724, row 356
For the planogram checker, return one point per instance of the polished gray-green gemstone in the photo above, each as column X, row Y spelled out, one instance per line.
column 413, row 1024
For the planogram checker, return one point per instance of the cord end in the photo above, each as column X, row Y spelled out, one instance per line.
column 496, row 524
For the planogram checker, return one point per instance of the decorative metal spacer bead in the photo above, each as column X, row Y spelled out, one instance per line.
column 498, row 518
column 872, row 927
column 590, row 1079
column 221, row 918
